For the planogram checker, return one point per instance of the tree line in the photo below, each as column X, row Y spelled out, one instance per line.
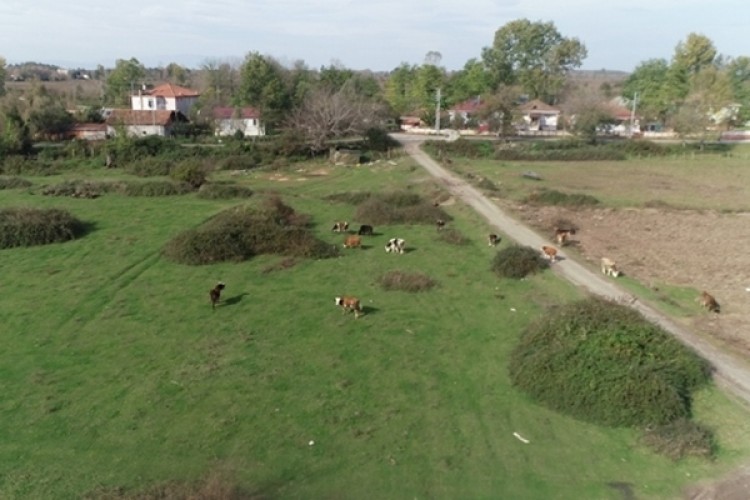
column 526, row 59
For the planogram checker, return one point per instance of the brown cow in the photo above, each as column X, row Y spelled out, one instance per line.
column 353, row 241
column 349, row 303
column 549, row 252
column 215, row 294
column 563, row 235
column 709, row 302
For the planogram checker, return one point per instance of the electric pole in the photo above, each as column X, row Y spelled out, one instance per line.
column 437, row 112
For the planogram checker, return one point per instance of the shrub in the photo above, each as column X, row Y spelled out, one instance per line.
column 377, row 139
column 554, row 197
column 223, row 191
column 149, row 167
column 604, row 363
column 680, row 439
column 488, row 185
column 191, row 172
column 156, row 188
column 79, row 189
column 406, row 281
column 517, row 262
column 398, row 208
column 240, row 162
column 352, row 198
column 240, row 233
column 22, row 227
column 14, row 183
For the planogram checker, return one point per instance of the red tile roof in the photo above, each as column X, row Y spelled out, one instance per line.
column 469, row 105
column 171, row 90
column 227, row 113
column 538, row 106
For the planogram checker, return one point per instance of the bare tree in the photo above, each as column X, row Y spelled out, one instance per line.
column 327, row 114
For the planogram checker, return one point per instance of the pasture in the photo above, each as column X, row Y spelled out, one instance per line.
column 117, row 376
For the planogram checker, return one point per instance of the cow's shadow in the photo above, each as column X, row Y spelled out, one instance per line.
column 368, row 310
column 235, row 299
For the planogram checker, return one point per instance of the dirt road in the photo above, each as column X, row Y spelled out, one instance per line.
column 730, row 372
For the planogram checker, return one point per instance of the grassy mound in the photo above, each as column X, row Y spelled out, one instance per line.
column 398, row 207
column 23, row 227
column 13, row 182
column 604, row 363
column 517, row 262
column 680, row 439
column 240, row 233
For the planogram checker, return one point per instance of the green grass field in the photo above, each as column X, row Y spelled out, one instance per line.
column 116, row 373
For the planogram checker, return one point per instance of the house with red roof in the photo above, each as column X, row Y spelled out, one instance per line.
column 139, row 123
column 539, row 116
column 229, row 121
column 167, row 96
column 460, row 114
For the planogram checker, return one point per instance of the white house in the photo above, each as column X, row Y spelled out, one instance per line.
column 227, row 121
column 166, row 96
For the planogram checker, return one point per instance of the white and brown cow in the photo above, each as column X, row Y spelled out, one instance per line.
column 440, row 224
column 550, row 253
column 353, row 241
column 340, row 227
column 493, row 240
column 349, row 303
column 609, row 267
column 395, row 245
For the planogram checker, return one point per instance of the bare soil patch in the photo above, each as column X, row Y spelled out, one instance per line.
column 658, row 246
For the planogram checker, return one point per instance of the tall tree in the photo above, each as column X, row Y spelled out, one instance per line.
column 177, row 74
column 472, row 80
column 398, row 89
column 123, row 80
column 3, row 74
column 738, row 70
column 533, row 55
column 646, row 84
column 695, row 53
column 262, row 86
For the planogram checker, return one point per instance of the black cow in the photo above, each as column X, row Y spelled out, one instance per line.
column 365, row 230
column 215, row 294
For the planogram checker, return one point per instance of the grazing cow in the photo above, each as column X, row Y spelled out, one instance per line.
column 340, row 226
column 609, row 267
column 549, row 253
column 348, row 303
column 395, row 245
column 365, row 230
column 709, row 302
column 215, row 294
column 493, row 240
column 563, row 235
column 352, row 242
column 440, row 224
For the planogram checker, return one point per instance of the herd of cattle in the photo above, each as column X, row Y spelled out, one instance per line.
column 397, row 245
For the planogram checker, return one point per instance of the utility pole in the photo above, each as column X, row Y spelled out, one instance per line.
column 437, row 112
column 632, row 114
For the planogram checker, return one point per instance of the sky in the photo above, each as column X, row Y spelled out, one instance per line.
column 358, row 34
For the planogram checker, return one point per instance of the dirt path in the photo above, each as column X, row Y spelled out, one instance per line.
column 730, row 372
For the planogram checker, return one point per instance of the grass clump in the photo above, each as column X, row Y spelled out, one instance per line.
column 156, row 188
column 23, row 227
column 517, row 262
column 554, row 197
column 604, row 363
column 352, row 197
column 406, row 281
column 680, row 439
column 13, row 182
column 214, row 191
column 453, row 236
column 399, row 207
column 240, row 233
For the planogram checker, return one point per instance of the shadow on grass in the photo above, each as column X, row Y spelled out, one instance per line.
column 236, row 299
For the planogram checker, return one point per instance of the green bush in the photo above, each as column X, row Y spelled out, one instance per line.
column 554, row 197
column 14, row 183
column 517, row 262
column 453, row 236
column 406, row 281
column 352, row 198
column 240, row 162
column 81, row 189
column 192, row 172
column 215, row 191
column 149, row 167
column 680, row 439
column 240, row 233
column 604, row 363
column 22, row 227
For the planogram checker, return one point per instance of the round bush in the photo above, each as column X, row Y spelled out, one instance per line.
column 604, row 363
column 22, row 227
column 517, row 262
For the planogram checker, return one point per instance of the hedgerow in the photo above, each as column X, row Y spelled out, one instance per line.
column 216, row 191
